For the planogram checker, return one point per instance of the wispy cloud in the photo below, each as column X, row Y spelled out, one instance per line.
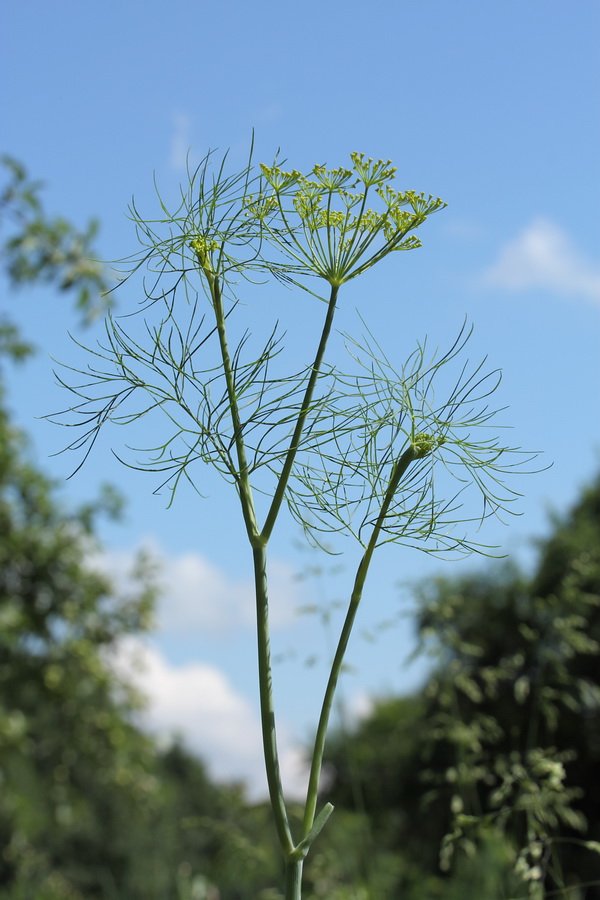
column 544, row 256
column 196, row 596
column 180, row 141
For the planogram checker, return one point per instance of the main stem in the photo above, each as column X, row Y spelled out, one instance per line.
column 267, row 709
column 293, row 879
column 293, row 855
column 260, row 578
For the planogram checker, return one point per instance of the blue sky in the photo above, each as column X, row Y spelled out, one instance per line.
column 493, row 106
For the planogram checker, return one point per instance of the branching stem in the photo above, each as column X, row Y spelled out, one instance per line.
column 282, row 482
column 242, row 479
column 267, row 710
column 398, row 471
column 261, row 586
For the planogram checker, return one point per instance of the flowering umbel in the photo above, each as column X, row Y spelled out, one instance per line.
column 323, row 224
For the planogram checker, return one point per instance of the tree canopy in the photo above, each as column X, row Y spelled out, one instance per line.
column 499, row 753
column 90, row 806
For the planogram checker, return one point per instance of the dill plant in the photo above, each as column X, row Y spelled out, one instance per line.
column 371, row 452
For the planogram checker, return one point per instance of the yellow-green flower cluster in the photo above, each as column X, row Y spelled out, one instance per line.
column 423, row 444
column 323, row 222
column 278, row 179
column 371, row 172
column 203, row 248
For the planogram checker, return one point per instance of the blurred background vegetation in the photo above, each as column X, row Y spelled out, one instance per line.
column 484, row 784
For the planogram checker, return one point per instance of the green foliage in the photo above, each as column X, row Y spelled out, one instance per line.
column 89, row 806
column 36, row 249
column 325, row 440
column 65, row 743
column 495, row 761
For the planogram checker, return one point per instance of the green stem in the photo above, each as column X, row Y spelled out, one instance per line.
column 258, row 543
column 293, row 879
column 267, row 710
column 242, row 480
column 304, row 410
column 260, row 576
column 398, row 471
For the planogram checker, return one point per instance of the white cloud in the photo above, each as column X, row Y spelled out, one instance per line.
column 359, row 707
column 196, row 702
column 543, row 256
column 463, row 229
column 194, row 595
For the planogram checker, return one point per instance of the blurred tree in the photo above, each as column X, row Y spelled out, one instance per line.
column 89, row 805
column 65, row 743
column 501, row 749
column 38, row 249
column 66, row 748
